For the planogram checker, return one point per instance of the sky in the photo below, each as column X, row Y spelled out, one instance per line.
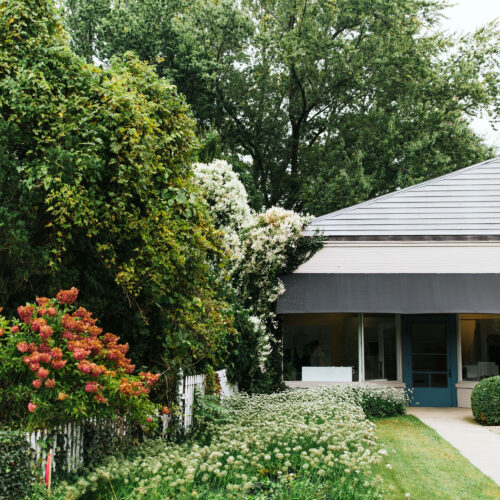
column 466, row 16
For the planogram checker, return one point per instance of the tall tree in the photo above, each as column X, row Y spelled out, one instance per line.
column 96, row 191
column 321, row 103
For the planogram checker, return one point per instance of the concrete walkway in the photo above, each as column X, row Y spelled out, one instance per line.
column 479, row 444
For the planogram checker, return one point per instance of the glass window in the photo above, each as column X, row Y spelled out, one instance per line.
column 480, row 336
column 380, row 347
column 320, row 347
column 429, row 354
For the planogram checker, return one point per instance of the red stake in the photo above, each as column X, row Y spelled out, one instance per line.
column 48, row 470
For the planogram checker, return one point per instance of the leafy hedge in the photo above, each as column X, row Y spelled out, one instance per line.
column 16, row 466
column 485, row 401
column 380, row 401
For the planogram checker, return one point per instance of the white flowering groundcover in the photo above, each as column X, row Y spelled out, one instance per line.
column 297, row 444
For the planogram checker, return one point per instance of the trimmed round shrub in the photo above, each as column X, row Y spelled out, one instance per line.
column 485, row 400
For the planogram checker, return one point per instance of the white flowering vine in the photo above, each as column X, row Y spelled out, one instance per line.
column 258, row 244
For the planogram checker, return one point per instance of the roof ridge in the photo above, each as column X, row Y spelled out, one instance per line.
column 399, row 191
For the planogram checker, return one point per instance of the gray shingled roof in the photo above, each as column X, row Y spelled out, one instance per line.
column 463, row 203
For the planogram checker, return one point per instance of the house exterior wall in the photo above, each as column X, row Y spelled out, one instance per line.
column 404, row 257
column 464, row 391
column 432, row 248
column 308, row 385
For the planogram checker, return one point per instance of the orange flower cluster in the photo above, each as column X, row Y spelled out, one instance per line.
column 42, row 301
column 92, row 387
column 91, row 369
column 82, row 344
column 100, row 398
column 67, row 296
column 149, row 378
column 132, row 388
column 116, row 352
column 26, row 313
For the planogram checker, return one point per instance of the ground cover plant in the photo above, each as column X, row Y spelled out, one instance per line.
column 426, row 466
column 295, row 444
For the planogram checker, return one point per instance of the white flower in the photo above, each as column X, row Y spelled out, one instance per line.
column 322, row 431
column 257, row 244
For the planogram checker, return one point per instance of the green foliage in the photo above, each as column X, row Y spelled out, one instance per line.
column 96, row 190
column 57, row 365
column 261, row 248
column 485, row 401
column 207, row 411
column 328, row 103
column 246, row 368
column 292, row 445
column 17, row 460
column 106, row 437
column 380, row 401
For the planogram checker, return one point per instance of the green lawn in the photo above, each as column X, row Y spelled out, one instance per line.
column 427, row 466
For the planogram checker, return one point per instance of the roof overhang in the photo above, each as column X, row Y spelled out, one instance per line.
column 463, row 203
column 403, row 293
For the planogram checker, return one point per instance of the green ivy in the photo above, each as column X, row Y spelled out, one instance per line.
column 16, row 466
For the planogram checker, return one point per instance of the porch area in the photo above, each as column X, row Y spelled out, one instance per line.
column 441, row 357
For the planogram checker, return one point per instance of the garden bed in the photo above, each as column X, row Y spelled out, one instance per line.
column 296, row 444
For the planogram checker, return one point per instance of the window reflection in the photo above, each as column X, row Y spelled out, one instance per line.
column 480, row 336
column 325, row 347
column 321, row 347
column 380, row 347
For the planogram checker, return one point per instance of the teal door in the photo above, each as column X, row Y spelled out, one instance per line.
column 429, row 345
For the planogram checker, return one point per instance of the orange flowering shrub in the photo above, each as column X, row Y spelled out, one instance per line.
column 67, row 368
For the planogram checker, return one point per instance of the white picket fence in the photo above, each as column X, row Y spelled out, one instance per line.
column 68, row 439
column 187, row 387
column 66, row 442
column 227, row 389
column 70, row 451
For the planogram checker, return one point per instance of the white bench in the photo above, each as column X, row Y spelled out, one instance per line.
column 327, row 373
